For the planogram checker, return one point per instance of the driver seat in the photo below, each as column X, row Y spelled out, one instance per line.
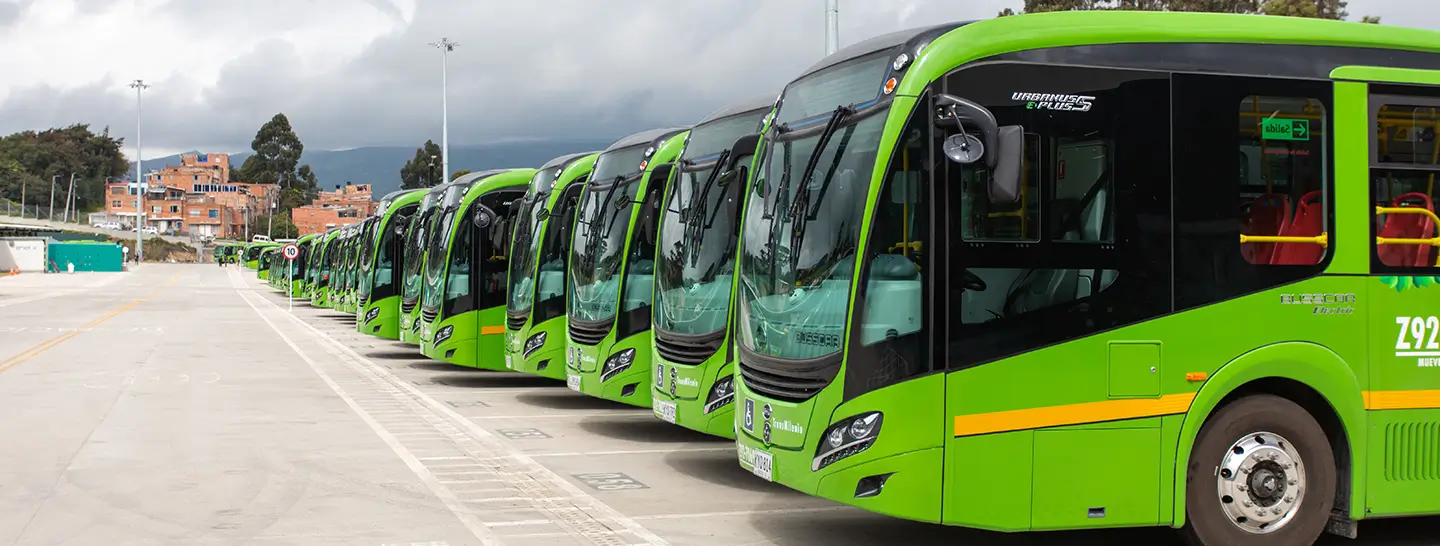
column 1041, row 288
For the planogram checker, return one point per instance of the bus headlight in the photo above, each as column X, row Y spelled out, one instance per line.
column 534, row 343
column 721, row 394
column 372, row 313
column 847, row 437
column 617, row 363
column 443, row 334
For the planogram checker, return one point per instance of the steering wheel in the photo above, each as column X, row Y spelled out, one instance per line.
column 970, row 281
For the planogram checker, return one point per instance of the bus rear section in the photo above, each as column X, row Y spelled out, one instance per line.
column 612, row 268
column 463, row 310
column 535, row 299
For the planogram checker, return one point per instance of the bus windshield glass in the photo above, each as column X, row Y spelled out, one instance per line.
column 694, row 278
column 415, row 253
column 802, row 232
column 367, row 256
column 526, row 244
column 600, row 233
column 435, row 256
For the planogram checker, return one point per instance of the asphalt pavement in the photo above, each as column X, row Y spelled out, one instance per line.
column 189, row 404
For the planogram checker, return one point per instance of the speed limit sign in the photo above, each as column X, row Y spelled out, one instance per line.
column 290, row 252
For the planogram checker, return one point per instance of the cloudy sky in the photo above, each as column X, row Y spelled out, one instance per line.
column 352, row 73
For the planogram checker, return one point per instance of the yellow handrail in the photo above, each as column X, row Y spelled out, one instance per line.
column 1322, row 239
column 1433, row 241
column 1409, row 210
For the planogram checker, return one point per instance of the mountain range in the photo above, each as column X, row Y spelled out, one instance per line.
column 380, row 165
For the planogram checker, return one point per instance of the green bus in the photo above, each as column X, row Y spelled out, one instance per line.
column 300, row 285
column 264, row 264
column 539, row 250
column 378, row 312
column 417, row 242
column 252, row 253
column 1112, row 269
column 349, row 260
column 695, row 270
column 323, row 271
column 227, row 253
column 612, row 267
column 462, row 310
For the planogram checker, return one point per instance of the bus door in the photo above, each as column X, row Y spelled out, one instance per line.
column 1404, row 389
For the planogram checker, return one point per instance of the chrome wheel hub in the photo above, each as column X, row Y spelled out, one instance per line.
column 1260, row 482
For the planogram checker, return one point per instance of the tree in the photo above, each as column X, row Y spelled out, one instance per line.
column 32, row 159
column 460, row 173
column 1321, row 9
column 277, row 153
column 419, row 172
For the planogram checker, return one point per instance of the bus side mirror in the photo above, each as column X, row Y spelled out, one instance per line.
column 744, row 147
column 661, row 173
column 483, row 216
column 1005, row 175
column 542, row 215
column 963, row 147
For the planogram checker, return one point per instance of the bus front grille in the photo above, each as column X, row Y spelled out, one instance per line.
column 429, row 314
column 788, row 380
column 589, row 333
column 687, row 349
column 407, row 305
column 516, row 321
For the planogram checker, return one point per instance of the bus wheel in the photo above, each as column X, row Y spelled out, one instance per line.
column 1261, row 473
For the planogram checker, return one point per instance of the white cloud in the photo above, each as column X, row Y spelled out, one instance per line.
column 359, row 72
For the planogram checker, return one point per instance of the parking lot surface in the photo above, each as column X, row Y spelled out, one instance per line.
column 191, row 404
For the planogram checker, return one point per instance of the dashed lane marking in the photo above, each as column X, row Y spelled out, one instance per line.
column 538, row 490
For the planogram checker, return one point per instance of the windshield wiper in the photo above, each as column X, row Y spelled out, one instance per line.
column 696, row 222
column 801, row 203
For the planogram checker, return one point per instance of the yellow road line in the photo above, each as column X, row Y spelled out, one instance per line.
column 52, row 342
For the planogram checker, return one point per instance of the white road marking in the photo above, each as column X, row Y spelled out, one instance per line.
column 470, row 521
column 632, row 451
column 530, row 471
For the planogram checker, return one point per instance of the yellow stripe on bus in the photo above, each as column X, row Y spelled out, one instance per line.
column 1170, row 404
column 487, row 330
column 1072, row 414
column 1399, row 400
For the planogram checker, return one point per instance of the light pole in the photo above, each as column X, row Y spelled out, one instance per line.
column 446, row 46
column 139, row 86
column 69, row 194
column 832, row 26
column 53, row 180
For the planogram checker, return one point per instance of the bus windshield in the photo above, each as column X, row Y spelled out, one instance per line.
column 367, row 241
column 442, row 230
column 600, row 232
column 802, row 232
column 694, row 278
column 526, row 244
column 415, row 254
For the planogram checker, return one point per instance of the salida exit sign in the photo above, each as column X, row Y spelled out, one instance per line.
column 1285, row 129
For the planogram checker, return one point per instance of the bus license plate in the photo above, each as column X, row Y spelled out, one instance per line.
column 665, row 411
column 762, row 465
column 572, row 381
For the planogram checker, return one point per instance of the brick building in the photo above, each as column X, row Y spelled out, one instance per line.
column 346, row 205
column 192, row 198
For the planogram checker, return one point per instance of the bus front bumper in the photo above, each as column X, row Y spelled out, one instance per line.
column 380, row 319
column 624, row 383
column 682, row 394
column 546, row 361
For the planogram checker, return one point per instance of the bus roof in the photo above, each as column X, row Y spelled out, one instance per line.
column 646, row 137
column 511, row 178
column 1106, row 38
column 916, row 38
column 470, row 178
column 751, row 104
column 565, row 160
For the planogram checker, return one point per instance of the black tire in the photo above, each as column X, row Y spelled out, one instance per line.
column 1207, row 524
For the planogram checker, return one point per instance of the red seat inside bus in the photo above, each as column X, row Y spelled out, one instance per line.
column 1407, row 226
column 1268, row 216
column 1309, row 222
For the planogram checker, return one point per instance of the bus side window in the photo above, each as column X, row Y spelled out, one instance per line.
column 1405, row 161
column 1282, row 174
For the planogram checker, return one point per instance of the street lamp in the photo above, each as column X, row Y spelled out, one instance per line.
column 139, row 86
column 446, row 46
column 53, row 180
column 832, row 26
